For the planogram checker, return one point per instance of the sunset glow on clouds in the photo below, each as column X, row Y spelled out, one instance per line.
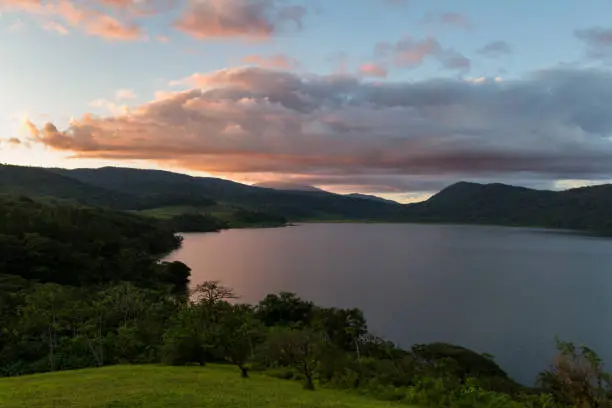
column 292, row 90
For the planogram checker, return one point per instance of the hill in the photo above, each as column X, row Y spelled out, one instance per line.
column 39, row 182
column 157, row 386
column 293, row 205
column 75, row 245
column 170, row 196
column 587, row 208
column 371, row 197
column 280, row 185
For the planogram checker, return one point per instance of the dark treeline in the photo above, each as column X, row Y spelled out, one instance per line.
column 82, row 287
column 73, row 245
column 586, row 209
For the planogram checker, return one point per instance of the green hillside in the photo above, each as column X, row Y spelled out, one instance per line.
column 150, row 386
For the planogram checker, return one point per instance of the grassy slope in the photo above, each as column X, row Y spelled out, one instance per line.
column 161, row 386
column 223, row 212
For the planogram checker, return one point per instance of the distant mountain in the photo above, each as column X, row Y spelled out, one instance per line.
column 287, row 186
column 587, row 208
column 371, row 197
column 293, row 205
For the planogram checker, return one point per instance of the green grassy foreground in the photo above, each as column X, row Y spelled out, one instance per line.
column 213, row 386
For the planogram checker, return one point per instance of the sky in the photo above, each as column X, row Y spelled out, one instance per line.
column 397, row 98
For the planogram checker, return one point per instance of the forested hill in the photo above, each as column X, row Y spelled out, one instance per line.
column 74, row 245
column 293, row 205
column 587, row 208
column 211, row 203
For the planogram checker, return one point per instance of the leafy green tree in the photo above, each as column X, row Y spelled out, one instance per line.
column 189, row 338
column 46, row 313
column 342, row 327
column 300, row 349
column 237, row 334
column 285, row 309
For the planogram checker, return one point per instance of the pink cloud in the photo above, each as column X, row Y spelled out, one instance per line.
column 124, row 94
column 257, row 19
column 80, row 16
column 373, row 70
column 408, row 52
column 278, row 61
column 255, row 121
column 96, row 23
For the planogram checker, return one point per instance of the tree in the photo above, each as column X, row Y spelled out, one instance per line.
column 577, row 377
column 211, row 292
column 238, row 333
column 342, row 327
column 189, row 338
column 176, row 274
column 45, row 314
column 299, row 349
column 285, row 309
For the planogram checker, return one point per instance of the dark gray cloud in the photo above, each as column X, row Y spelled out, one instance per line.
column 495, row 49
column 455, row 60
column 340, row 130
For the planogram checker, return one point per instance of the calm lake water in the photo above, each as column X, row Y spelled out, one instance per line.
column 505, row 291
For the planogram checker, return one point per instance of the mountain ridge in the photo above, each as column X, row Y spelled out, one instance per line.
column 583, row 208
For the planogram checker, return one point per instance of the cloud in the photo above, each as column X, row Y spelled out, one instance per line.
column 495, row 49
column 409, row 52
column 18, row 25
column 552, row 124
column 112, row 107
column 258, row 19
column 56, row 27
column 278, row 61
column 96, row 23
column 455, row 60
column 598, row 40
column 373, row 70
column 125, row 94
column 57, row 15
column 448, row 18
column 482, row 80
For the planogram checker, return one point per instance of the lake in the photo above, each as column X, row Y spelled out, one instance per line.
column 505, row 291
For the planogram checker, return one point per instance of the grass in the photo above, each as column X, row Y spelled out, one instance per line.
column 161, row 386
column 171, row 211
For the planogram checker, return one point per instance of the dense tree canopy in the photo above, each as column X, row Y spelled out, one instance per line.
column 68, row 244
